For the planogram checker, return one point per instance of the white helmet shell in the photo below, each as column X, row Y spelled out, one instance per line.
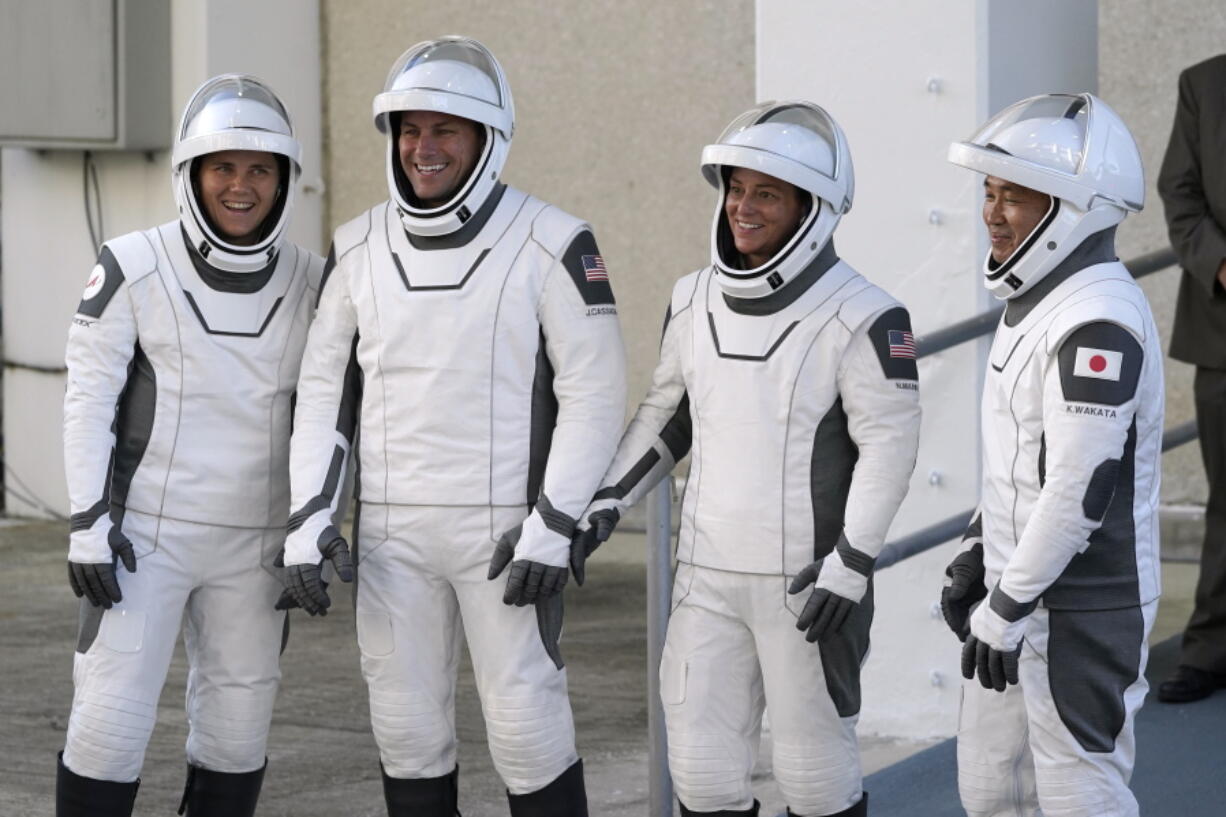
column 1078, row 151
column 234, row 112
column 796, row 142
column 456, row 76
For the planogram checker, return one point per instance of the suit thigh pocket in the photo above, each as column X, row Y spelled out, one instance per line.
column 375, row 633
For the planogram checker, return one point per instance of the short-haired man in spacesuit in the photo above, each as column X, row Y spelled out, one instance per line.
column 468, row 341
column 1063, row 548
column 182, row 362
column 795, row 380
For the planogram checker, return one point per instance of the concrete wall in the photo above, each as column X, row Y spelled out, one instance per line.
column 47, row 253
column 1142, row 48
column 613, row 101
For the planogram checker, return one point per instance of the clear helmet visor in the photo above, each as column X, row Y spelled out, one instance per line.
column 452, row 65
column 234, row 102
column 800, row 133
column 1049, row 131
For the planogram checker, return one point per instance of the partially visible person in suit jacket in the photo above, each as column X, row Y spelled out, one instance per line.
column 1192, row 184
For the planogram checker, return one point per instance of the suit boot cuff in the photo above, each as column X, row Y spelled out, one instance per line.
column 564, row 797
column 422, row 796
column 77, row 796
column 221, row 794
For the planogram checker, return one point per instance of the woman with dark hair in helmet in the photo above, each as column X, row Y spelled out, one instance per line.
column 795, row 380
column 182, row 362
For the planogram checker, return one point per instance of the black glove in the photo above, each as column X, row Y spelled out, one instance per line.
column 96, row 581
column 549, row 624
column 996, row 668
column 584, row 542
column 824, row 612
column 963, row 589
column 304, row 586
column 528, row 581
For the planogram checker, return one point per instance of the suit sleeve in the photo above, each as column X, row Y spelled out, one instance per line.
column 101, row 346
column 584, row 345
column 879, row 385
column 325, row 418
column 1089, row 402
column 1199, row 240
column 658, row 436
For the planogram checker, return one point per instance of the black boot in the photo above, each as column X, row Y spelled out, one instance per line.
column 77, row 796
column 422, row 796
column 564, row 797
column 221, row 794
column 860, row 809
column 752, row 811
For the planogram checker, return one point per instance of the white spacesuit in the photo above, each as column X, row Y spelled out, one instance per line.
column 796, row 383
column 1066, row 539
column 182, row 361
column 470, row 352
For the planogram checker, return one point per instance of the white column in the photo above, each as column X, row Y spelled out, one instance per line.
column 46, row 248
column 904, row 79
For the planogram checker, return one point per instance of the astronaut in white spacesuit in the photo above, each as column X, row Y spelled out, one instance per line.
column 795, row 380
column 467, row 349
column 1064, row 546
column 182, row 361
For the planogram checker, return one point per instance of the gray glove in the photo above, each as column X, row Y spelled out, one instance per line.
column 529, row 581
column 825, row 611
column 304, row 586
column 996, row 668
column 96, row 581
column 964, row 588
column 586, row 540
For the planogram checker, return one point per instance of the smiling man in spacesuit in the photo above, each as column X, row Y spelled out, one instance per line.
column 182, row 361
column 467, row 336
column 795, row 380
column 1063, row 550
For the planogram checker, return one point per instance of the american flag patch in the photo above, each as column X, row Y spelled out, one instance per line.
column 594, row 269
column 902, row 344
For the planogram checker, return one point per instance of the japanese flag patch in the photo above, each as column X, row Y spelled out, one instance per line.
column 1100, row 363
column 1103, row 364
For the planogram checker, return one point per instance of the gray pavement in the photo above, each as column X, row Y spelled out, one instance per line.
column 322, row 759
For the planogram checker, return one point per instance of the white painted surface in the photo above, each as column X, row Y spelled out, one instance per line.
column 904, row 79
column 47, row 253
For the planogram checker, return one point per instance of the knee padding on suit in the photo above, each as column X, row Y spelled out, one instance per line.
column 229, row 728
column 816, row 778
column 857, row 809
column 707, row 774
column 531, row 738
column 993, row 788
column 752, row 811
column 1077, row 789
column 415, row 736
column 107, row 735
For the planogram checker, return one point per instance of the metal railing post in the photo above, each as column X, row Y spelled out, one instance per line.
column 659, row 599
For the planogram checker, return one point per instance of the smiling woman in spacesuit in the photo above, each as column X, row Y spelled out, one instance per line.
column 182, row 359
column 779, row 348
